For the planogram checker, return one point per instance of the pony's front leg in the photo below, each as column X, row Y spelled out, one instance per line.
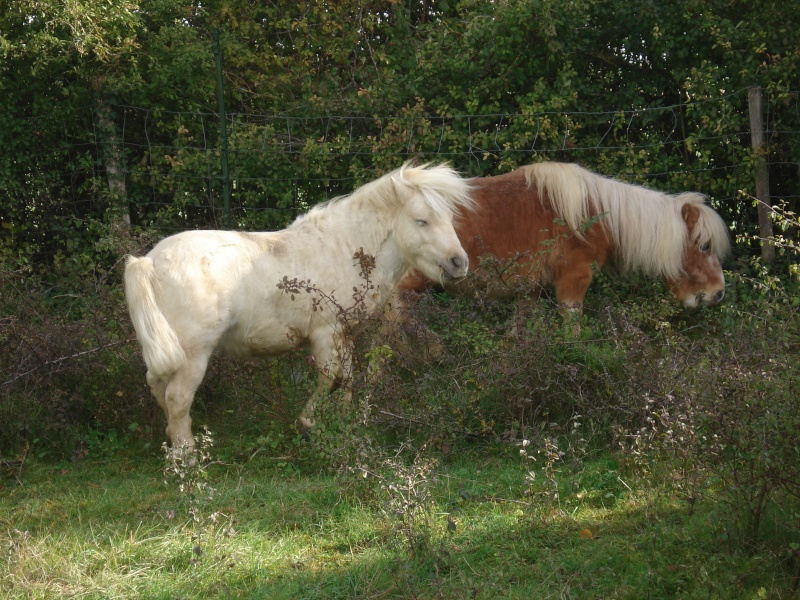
column 571, row 283
column 325, row 384
column 405, row 333
column 333, row 364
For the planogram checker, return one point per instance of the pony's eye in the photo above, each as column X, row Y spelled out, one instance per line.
column 705, row 247
column 421, row 222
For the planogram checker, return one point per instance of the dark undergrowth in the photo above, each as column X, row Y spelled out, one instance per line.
column 657, row 414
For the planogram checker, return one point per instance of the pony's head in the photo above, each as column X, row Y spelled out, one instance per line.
column 701, row 280
column 415, row 206
column 680, row 237
column 431, row 198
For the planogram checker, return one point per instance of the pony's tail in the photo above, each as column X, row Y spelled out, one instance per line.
column 162, row 350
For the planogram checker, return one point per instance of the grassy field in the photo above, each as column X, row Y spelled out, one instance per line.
column 468, row 523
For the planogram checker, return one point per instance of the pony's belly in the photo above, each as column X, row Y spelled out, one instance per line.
column 257, row 344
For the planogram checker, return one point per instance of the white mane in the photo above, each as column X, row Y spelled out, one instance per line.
column 446, row 192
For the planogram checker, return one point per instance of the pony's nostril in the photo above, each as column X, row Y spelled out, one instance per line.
column 719, row 295
column 457, row 262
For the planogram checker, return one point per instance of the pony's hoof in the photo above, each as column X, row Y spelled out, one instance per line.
column 184, row 456
column 304, row 426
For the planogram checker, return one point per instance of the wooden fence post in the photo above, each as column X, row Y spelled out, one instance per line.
column 762, row 175
column 113, row 157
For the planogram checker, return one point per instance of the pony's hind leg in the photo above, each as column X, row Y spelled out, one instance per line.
column 158, row 387
column 178, row 397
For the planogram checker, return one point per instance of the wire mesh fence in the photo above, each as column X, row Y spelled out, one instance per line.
column 163, row 168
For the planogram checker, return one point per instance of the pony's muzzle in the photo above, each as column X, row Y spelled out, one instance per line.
column 457, row 266
column 710, row 298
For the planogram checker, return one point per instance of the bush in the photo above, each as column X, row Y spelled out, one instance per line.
column 64, row 371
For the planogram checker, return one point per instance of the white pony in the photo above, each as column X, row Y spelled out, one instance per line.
column 199, row 290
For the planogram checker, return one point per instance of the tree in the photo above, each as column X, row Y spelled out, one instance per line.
column 108, row 107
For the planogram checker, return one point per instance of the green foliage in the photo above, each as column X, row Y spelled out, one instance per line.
column 651, row 93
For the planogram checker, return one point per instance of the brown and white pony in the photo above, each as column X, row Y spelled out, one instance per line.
column 200, row 290
column 552, row 222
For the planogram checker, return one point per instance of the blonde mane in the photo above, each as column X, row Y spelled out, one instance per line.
column 446, row 192
column 646, row 226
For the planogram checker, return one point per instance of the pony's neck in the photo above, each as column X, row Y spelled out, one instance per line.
column 370, row 230
column 389, row 266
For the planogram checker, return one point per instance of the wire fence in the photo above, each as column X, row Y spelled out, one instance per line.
column 280, row 165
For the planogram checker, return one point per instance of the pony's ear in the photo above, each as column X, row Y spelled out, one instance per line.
column 400, row 184
column 690, row 214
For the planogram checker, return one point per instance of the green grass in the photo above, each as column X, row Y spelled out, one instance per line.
column 113, row 528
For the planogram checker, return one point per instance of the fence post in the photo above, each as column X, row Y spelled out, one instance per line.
column 112, row 155
column 762, row 175
column 223, row 128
